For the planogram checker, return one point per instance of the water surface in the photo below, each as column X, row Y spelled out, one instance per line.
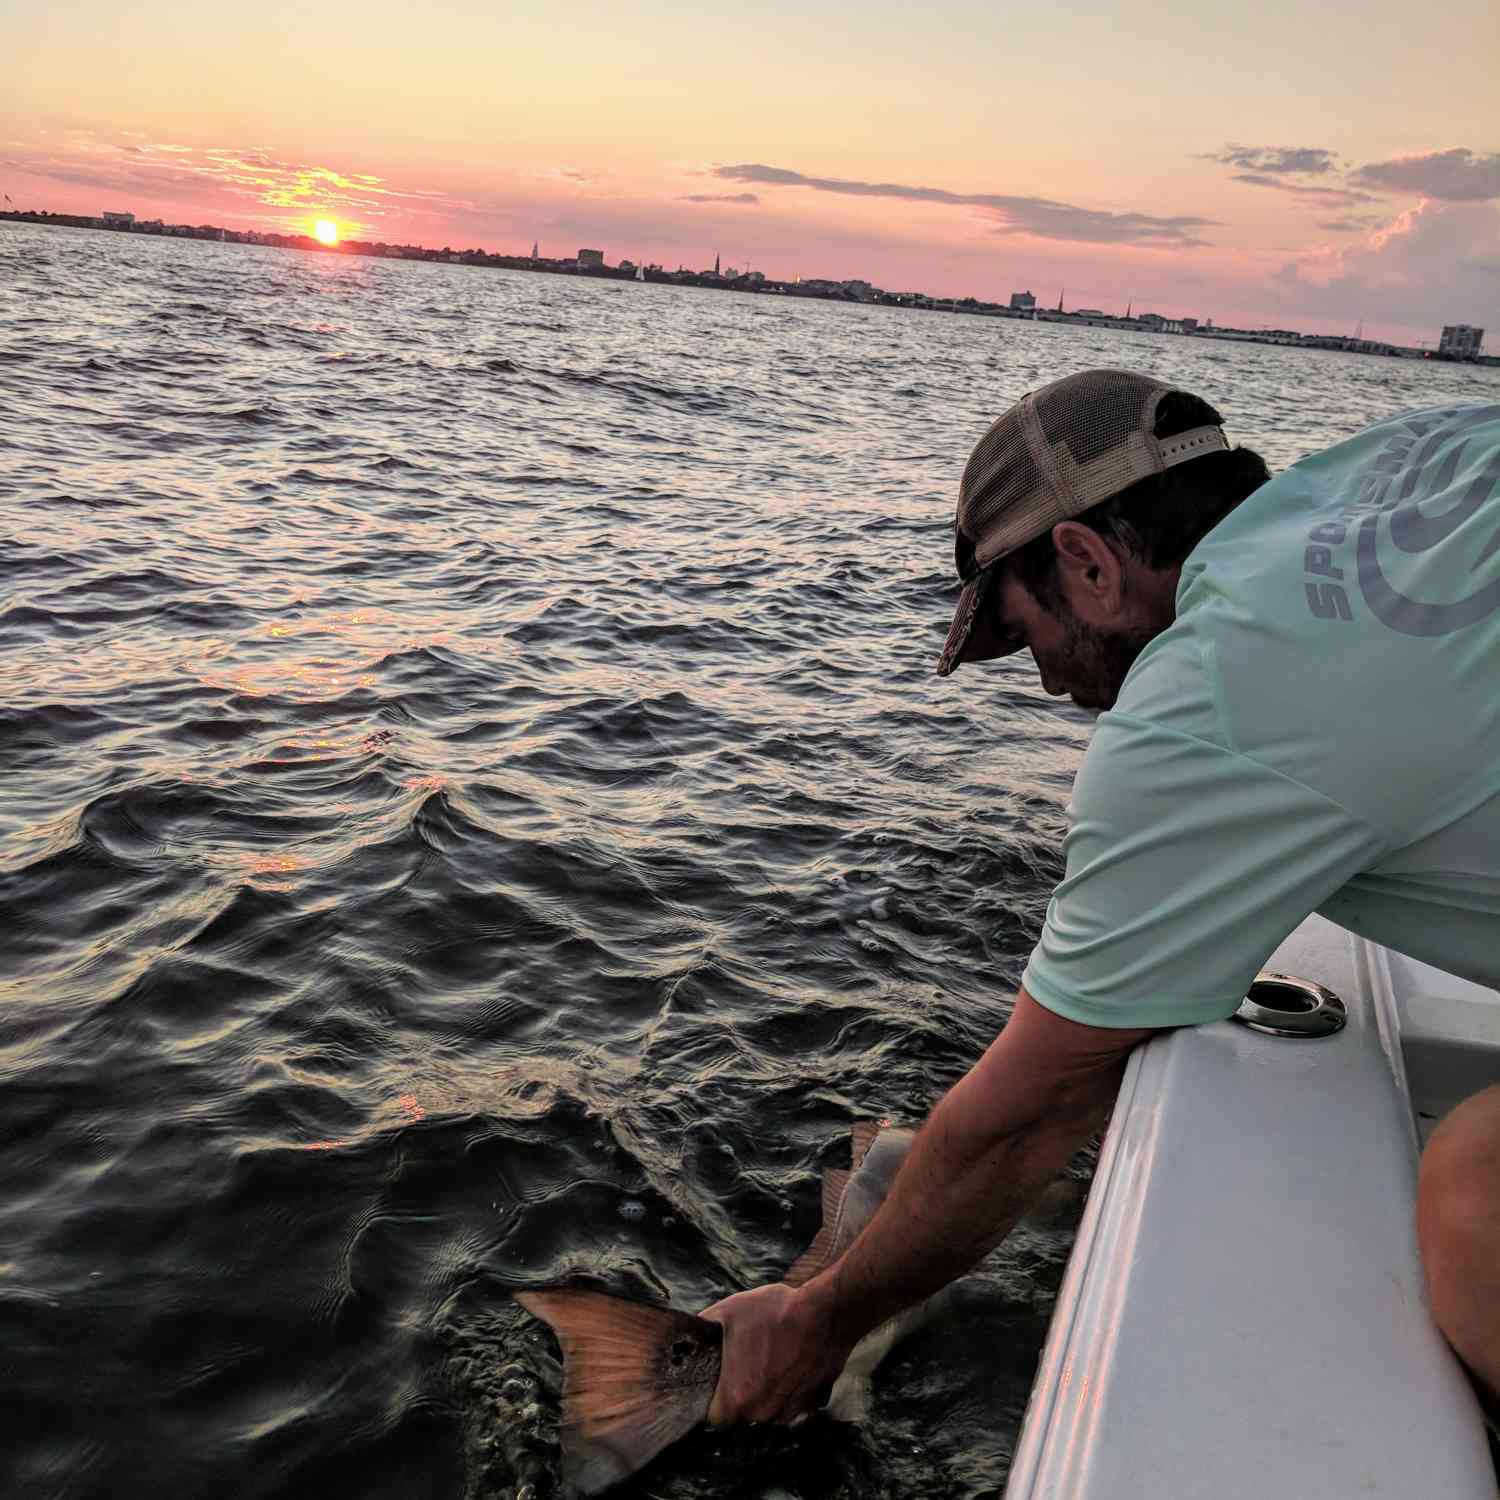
column 476, row 811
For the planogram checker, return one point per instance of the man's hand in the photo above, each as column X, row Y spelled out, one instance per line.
column 780, row 1356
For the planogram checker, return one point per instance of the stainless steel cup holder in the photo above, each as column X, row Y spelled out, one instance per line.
column 1283, row 1005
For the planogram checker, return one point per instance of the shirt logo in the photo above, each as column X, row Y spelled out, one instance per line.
column 1418, row 464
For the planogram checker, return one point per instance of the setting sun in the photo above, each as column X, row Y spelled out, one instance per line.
column 327, row 231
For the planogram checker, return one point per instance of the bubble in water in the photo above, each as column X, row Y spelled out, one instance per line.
column 632, row 1209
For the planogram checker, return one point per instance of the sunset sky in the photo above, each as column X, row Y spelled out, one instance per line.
column 1277, row 164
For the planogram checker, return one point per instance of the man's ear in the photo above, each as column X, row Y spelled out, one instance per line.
column 1092, row 565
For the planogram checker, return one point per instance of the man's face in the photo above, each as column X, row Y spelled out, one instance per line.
column 1086, row 661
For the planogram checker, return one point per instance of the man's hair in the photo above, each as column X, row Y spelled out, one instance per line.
column 1157, row 520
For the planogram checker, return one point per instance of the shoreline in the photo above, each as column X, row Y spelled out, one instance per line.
column 750, row 284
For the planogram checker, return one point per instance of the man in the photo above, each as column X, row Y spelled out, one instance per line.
column 1302, row 684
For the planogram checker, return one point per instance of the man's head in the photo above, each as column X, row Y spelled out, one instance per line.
column 1075, row 513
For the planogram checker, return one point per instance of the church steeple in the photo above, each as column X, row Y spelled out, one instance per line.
column 1060, row 297
column 716, row 262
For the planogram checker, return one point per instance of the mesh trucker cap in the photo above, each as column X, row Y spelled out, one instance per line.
column 1056, row 453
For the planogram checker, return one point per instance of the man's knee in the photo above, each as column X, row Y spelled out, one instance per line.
column 1462, row 1159
column 1458, row 1225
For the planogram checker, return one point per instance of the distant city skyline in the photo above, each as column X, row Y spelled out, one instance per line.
column 1174, row 163
column 1460, row 341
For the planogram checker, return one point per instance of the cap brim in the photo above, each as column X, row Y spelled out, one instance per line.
column 970, row 637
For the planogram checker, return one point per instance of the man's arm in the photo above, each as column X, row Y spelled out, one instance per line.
column 998, row 1137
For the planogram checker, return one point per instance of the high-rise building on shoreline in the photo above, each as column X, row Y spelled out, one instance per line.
column 1460, row 341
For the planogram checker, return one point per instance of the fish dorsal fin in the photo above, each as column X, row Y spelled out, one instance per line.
column 819, row 1255
column 635, row 1378
column 862, row 1134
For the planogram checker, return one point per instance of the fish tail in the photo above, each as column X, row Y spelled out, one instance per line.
column 635, row 1378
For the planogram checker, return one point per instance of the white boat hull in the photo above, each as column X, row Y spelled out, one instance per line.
column 1244, row 1315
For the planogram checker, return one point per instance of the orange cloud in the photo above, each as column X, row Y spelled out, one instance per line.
column 254, row 175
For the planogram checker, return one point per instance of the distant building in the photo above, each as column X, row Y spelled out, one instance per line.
column 1460, row 341
column 590, row 260
column 861, row 291
column 1154, row 321
column 627, row 265
column 1023, row 301
column 1190, row 325
column 117, row 221
column 1087, row 312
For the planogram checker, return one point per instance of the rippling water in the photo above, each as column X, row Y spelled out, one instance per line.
column 476, row 811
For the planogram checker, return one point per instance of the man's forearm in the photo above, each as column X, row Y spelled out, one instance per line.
column 985, row 1154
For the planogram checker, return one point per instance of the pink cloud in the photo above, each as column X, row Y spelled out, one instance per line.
column 1432, row 264
column 1008, row 213
column 568, row 174
column 1459, row 175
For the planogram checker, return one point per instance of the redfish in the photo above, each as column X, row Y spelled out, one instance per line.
column 637, row 1377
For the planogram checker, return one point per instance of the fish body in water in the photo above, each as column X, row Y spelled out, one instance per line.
column 636, row 1378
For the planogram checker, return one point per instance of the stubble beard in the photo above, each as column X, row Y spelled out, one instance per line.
column 1104, row 658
